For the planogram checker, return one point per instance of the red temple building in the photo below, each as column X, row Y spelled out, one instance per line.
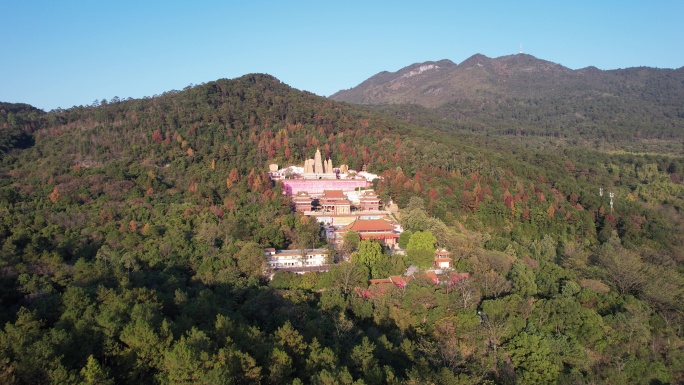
column 302, row 201
column 442, row 259
column 335, row 202
column 376, row 229
column 369, row 201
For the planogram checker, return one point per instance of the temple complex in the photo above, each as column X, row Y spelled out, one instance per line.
column 319, row 175
column 318, row 168
column 338, row 198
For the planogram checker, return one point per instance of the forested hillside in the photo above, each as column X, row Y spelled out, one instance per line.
column 132, row 238
column 635, row 109
column 17, row 123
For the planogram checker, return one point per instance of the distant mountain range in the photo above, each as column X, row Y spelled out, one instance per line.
column 433, row 84
column 521, row 93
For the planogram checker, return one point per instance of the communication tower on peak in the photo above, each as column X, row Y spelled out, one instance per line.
column 521, row 51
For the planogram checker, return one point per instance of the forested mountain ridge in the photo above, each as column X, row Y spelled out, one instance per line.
column 433, row 84
column 132, row 236
column 520, row 95
column 17, row 123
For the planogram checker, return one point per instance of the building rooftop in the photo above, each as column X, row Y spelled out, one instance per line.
column 401, row 281
column 432, row 276
column 273, row 251
column 379, row 281
column 369, row 194
column 369, row 225
column 333, row 194
column 379, row 236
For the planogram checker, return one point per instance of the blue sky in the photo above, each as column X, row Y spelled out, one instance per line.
column 66, row 53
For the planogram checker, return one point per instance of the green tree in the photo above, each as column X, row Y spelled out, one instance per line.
column 308, row 232
column 280, row 367
column 283, row 280
column 420, row 249
column 143, row 348
column 549, row 278
column 502, row 319
column 531, row 356
column 289, row 339
column 623, row 268
column 404, row 238
column 523, row 279
column 189, row 361
column 250, row 260
column 369, row 255
column 346, row 276
column 566, row 316
column 416, row 220
column 320, row 358
column 94, row 374
column 545, row 249
column 350, row 242
column 365, row 362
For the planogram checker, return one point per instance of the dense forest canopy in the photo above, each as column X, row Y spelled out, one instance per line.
column 132, row 238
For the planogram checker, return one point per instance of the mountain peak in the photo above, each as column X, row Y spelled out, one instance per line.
column 406, row 79
column 432, row 84
column 476, row 60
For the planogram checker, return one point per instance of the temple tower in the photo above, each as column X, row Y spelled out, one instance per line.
column 318, row 163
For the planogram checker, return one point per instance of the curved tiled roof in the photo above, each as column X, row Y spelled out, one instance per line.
column 333, row 194
column 369, row 225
